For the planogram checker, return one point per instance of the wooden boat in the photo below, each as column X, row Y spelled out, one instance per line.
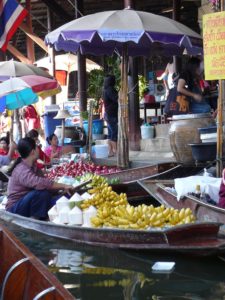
column 196, row 238
column 128, row 178
column 202, row 210
column 23, row 276
column 158, row 171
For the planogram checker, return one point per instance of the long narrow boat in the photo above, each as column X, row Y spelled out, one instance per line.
column 128, row 178
column 200, row 238
column 159, row 170
column 159, row 189
column 23, row 276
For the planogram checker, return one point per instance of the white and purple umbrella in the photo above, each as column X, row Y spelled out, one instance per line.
column 143, row 32
column 129, row 33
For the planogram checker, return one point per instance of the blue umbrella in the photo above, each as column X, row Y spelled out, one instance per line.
column 18, row 99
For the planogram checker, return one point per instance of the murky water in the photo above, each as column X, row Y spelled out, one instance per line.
column 99, row 273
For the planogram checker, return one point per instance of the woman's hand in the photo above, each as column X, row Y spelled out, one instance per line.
column 197, row 97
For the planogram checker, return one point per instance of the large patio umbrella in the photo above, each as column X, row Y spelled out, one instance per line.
column 66, row 62
column 14, row 68
column 17, row 92
column 128, row 32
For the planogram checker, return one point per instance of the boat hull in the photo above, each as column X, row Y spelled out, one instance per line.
column 198, row 238
column 23, row 276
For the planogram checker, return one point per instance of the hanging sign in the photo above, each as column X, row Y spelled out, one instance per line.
column 214, row 45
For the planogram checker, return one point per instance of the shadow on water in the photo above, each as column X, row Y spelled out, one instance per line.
column 100, row 273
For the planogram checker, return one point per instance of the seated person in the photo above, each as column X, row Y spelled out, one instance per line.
column 6, row 159
column 54, row 150
column 33, row 134
column 29, row 193
column 222, row 191
column 4, row 147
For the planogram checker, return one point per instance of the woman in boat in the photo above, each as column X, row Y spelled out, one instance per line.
column 110, row 99
column 33, row 134
column 6, row 159
column 189, row 85
column 30, row 194
column 4, row 147
column 54, row 150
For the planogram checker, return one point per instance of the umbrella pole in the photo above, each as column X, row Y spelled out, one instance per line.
column 63, row 131
column 219, row 163
column 123, row 145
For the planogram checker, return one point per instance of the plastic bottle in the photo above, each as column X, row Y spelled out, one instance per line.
column 197, row 191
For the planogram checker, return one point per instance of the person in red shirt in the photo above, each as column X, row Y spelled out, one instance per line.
column 33, row 134
column 4, row 148
column 31, row 118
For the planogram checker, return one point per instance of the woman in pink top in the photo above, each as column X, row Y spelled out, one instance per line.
column 53, row 150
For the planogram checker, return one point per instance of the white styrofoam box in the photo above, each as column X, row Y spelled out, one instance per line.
column 52, row 213
column 64, row 215
column 75, row 216
column 89, row 213
column 61, row 203
column 86, row 196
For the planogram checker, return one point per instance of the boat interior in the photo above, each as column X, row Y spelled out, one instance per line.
column 23, row 276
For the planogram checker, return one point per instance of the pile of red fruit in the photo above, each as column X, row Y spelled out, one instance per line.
column 80, row 168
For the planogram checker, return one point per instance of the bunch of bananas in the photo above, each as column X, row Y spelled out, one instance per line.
column 103, row 195
column 141, row 217
column 96, row 180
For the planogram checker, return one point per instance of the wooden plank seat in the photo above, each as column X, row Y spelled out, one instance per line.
column 23, row 276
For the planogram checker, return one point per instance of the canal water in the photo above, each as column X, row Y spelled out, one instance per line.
column 98, row 273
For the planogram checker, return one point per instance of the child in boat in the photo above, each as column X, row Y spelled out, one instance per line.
column 30, row 194
column 222, row 191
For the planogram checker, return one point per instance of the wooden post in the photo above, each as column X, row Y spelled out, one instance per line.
column 176, row 17
column 90, row 120
column 82, row 81
column 220, row 119
column 219, row 164
column 128, row 3
column 123, row 144
column 30, row 43
column 133, row 96
column 51, row 51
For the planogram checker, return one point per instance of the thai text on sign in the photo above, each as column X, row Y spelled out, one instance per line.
column 214, row 45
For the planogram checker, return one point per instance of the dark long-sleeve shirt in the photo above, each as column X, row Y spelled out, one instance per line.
column 23, row 180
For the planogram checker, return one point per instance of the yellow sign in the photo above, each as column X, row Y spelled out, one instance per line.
column 214, row 45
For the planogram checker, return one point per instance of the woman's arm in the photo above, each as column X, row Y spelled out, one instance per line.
column 181, row 89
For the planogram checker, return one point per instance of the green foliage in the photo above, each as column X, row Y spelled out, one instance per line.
column 95, row 83
column 142, row 85
column 113, row 68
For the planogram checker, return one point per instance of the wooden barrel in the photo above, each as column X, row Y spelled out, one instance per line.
column 184, row 131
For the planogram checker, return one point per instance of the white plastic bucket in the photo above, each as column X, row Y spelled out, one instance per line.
column 147, row 132
column 101, row 151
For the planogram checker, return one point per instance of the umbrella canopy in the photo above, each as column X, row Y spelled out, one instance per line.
column 14, row 68
column 144, row 33
column 66, row 62
column 131, row 33
column 18, row 92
